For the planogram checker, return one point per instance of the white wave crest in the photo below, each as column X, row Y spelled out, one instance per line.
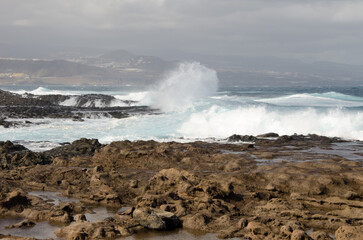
column 177, row 91
column 221, row 122
column 45, row 91
column 315, row 100
column 133, row 96
column 76, row 101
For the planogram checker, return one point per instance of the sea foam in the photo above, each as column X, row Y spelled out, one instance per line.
column 220, row 122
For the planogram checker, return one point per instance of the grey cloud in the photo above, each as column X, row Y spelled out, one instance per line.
column 308, row 30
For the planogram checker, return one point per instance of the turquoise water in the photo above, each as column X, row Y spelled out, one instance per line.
column 193, row 107
column 330, row 112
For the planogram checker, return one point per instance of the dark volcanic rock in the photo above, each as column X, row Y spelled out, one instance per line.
column 22, row 224
column 13, row 155
column 81, row 147
column 12, row 99
column 16, row 201
column 9, row 147
column 156, row 219
column 50, row 106
column 268, row 135
column 7, row 124
column 241, row 138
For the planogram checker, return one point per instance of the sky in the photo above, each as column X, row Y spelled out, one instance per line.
column 309, row 30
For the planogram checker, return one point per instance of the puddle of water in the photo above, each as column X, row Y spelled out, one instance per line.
column 52, row 197
column 232, row 152
column 261, row 161
column 178, row 234
column 42, row 230
column 347, row 150
column 100, row 213
column 123, row 209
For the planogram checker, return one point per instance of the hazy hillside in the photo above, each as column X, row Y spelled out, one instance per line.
column 118, row 67
column 45, row 68
column 123, row 67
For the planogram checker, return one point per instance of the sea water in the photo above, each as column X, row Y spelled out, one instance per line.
column 193, row 105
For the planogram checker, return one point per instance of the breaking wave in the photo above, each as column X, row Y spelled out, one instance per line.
column 189, row 82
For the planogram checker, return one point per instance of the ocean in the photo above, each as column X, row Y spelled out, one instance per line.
column 194, row 105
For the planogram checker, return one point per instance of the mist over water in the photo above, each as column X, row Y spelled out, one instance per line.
column 177, row 91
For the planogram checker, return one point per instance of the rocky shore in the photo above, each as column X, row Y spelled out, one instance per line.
column 15, row 107
column 273, row 187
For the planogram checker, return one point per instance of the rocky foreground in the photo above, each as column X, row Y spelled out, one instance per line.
column 288, row 187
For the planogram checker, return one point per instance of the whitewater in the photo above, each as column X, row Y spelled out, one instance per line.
column 194, row 105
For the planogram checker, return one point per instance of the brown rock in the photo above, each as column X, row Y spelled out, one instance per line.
column 231, row 166
column 134, row 183
column 15, row 200
column 156, row 219
column 349, row 233
column 79, row 218
column 23, row 224
column 256, row 228
column 197, row 221
column 285, row 231
column 60, row 218
column 320, row 235
column 299, row 235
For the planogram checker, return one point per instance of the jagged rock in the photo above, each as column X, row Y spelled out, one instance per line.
column 268, row 135
column 349, row 233
column 13, row 155
column 134, row 183
column 257, row 229
column 156, row 219
column 23, row 224
column 264, row 200
column 16, row 201
column 79, row 218
column 299, row 235
column 320, row 235
column 81, row 147
column 60, row 218
column 233, row 165
column 9, row 147
column 197, row 221
column 241, row 138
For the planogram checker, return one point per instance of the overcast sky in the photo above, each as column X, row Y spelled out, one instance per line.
column 302, row 29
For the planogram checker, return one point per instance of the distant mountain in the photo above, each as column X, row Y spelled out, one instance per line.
column 48, row 68
column 270, row 71
column 121, row 60
column 118, row 67
column 121, row 67
column 117, row 56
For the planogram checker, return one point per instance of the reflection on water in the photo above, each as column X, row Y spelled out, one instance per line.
column 100, row 213
column 41, row 230
column 52, row 197
column 178, row 234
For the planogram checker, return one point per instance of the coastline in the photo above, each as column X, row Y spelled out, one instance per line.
column 279, row 187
